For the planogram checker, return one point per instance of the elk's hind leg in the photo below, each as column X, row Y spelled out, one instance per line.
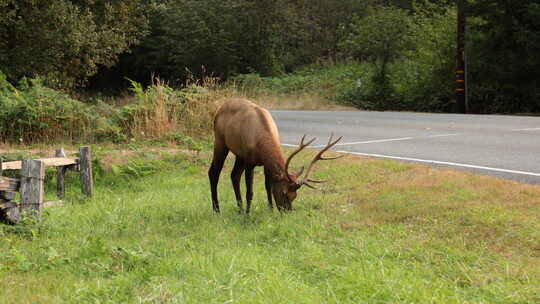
column 236, row 175
column 220, row 154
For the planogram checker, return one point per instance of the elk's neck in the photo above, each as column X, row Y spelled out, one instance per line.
column 273, row 161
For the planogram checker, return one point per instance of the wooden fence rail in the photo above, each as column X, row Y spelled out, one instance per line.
column 9, row 184
column 32, row 179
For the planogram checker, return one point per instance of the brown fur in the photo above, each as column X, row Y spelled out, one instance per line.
column 250, row 133
column 247, row 130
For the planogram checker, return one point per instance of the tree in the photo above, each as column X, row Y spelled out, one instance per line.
column 65, row 41
column 381, row 37
column 426, row 79
column 325, row 24
column 504, row 55
column 190, row 35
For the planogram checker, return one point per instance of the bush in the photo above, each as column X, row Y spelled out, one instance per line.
column 35, row 113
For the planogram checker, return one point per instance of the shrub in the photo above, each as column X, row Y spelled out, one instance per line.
column 35, row 113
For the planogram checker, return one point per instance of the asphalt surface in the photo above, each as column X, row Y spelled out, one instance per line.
column 504, row 146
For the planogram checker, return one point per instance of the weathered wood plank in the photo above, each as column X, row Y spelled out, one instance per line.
column 32, row 190
column 60, row 174
column 9, row 184
column 7, row 195
column 85, row 164
column 49, row 162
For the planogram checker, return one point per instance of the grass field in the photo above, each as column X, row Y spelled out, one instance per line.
column 378, row 232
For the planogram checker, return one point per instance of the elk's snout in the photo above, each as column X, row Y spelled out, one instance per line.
column 283, row 203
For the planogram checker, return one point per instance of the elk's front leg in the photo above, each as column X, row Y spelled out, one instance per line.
column 268, row 186
column 249, row 187
column 236, row 175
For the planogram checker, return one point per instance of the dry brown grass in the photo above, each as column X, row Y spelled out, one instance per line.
column 166, row 116
column 166, row 112
column 297, row 102
column 160, row 117
column 435, row 204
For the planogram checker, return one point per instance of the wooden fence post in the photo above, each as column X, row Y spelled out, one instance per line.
column 60, row 175
column 86, row 170
column 32, row 190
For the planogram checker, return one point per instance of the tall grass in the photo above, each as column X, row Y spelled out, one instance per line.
column 32, row 113
column 159, row 112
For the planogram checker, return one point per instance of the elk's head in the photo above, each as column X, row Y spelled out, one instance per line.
column 284, row 189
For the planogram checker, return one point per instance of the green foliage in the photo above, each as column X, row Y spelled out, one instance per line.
column 35, row 113
column 188, row 36
column 424, row 80
column 381, row 37
column 213, row 37
column 189, row 142
column 329, row 80
column 325, row 24
column 65, row 41
column 225, row 38
column 504, row 61
column 412, row 55
column 410, row 44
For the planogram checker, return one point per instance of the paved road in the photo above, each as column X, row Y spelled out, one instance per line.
column 504, row 146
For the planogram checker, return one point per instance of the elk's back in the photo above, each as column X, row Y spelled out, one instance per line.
column 244, row 128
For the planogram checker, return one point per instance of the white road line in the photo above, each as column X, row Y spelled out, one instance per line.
column 443, row 135
column 443, row 163
column 527, row 129
column 366, row 142
column 376, row 141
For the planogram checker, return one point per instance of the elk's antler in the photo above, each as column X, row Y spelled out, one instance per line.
column 306, row 179
column 300, row 148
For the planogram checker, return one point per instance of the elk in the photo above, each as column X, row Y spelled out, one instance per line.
column 250, row 133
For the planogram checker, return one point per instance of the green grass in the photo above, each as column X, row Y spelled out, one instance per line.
column 379, row 232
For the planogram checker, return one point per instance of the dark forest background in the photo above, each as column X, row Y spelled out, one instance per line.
column 406, row 48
